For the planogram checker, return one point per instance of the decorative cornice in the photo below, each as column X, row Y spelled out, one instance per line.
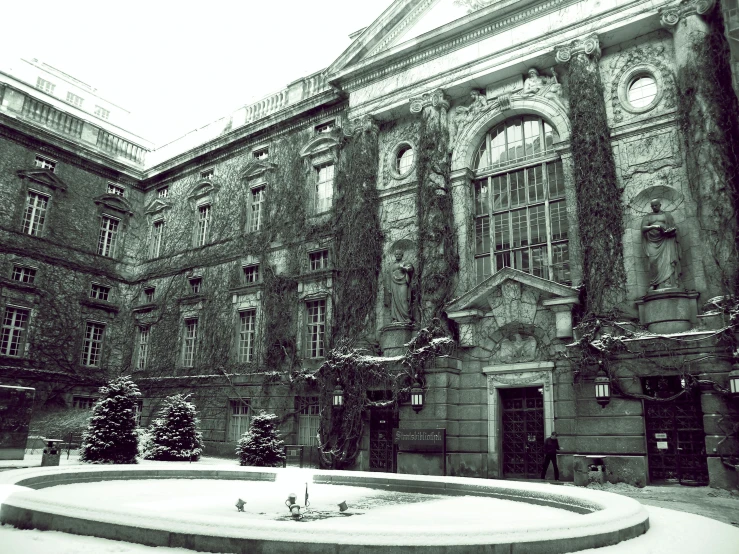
column 590, row 46
column 395, row 32
column 670, row 15
column 364, row 123
column 435, row 99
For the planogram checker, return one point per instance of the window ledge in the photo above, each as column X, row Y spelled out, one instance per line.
column 251, row 287
column 192, row 298
column 145, row 307
column 101, row 304
column 25, row 287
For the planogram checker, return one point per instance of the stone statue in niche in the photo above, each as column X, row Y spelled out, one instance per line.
column 398, row 284
column 659, row 239
column 517, row 349
column 540, row 85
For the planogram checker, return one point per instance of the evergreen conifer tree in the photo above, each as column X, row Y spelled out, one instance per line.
column 260, row 445
column 111, row 436
column 174, row 435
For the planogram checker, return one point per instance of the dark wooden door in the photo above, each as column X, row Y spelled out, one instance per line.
column 676, row 442
column 382, row 449
column 523, row 432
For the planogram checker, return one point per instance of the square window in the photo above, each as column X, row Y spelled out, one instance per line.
column 261, row 154
column 163, row 192
column 207, row 173
column 318, row 260
column 326, row 127
column 46, row 86
column 101, row 112
column 34, row 215
column 116, row 189
column 74, row 99
column 108, row 236
column 189, row 342
column 23, row 274
column 99, row 292
column 316, row 328
column 92, row 346
column 251, row 273
column 45, row 163
column 196, row 285
column 12, row 336
column 149, row 294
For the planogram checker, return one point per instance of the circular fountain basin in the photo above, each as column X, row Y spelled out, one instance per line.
column 194, row 507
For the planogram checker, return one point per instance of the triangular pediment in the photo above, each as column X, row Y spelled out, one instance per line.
column 404, row 22
column 157, row 206
column 257, row 168
column 114, row 202
column 44, row 177
column 479, row 298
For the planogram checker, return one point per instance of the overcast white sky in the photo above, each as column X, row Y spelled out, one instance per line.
column 179, row 65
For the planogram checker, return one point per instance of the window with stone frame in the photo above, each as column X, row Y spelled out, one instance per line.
column 324, row 187
column 149, row 294
column 203, row 224
column 45, row 85
column 45, row 163
column 196, row 285
column 101, row 112
column 238, row 418
column 99, row 292
column 309, row 418
column 256, row 212
column 108, row 236
column 318, row 260
column 116, row 189
column 157, row 235
column 75, row 99
column 163, row 192
column 519, row 202
column 34, row 216
column 83, row 402
column 14, row 329
column 247, row 335
column 189, row 342
column 92, row 345
column 23, row 274
column 315, row 312
column 250, row 274
column 142, row 346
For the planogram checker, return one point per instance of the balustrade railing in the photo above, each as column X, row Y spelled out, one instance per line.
column 120, row 147
column 49, row 116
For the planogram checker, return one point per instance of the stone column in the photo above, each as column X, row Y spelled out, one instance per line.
column 438, row 261
column 707, row 111
column 599, row 204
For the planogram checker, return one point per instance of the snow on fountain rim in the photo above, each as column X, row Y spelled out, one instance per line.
column 612, row 512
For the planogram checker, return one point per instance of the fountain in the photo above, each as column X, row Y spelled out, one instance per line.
column 193, row 507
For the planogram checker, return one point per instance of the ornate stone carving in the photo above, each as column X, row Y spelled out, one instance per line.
column 364, row 123
column 464, row 115
column 590, row 46
column 435, row 99
column 517, row 348
column 670, row 16
column 518, row 379
column 541, row 85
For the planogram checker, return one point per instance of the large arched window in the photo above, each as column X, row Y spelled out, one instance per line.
column 520, row 211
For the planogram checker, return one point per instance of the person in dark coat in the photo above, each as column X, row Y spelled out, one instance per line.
column 551, row 445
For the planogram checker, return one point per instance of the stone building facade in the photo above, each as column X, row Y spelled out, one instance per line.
column 222, row 264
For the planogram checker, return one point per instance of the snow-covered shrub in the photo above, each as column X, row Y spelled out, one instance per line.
column 260, row 445
column 174, row 435
column 144, row 435
column 111, row 436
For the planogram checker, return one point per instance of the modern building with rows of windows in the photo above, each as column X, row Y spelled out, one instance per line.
column 536, row 185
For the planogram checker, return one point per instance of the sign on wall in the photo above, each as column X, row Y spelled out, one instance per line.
column 420, row 440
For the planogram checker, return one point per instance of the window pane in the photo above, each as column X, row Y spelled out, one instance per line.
column 482, row 235
column 556, row 179
column 316, row 312
column 14, row 324
column 481, row 157
column 247, row 329
column 539, row 262
column 538, row 224
column 521, row 260
column 558, row 216
column 518, row 188
column 483, row 268
column 481, row 197
column 642, row 92
column 502, row 260
column 514, row 133
column 535, row 178
column 561, row 262
column 519, row 227
column 497, row 145
column 532, row 135
column 550, row 136
column 35, row 214
column 500, row 192
column 502, row 232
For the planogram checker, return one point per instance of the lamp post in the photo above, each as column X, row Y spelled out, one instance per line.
column 338, row 396
column 602, row 389
column 417, row 397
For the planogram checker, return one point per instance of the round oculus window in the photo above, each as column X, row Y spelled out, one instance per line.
column 642, row 91
column 404, row 160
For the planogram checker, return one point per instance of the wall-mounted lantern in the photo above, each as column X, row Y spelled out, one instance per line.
column 417, row 397
column 734, row 381
column 338, row 396
column 602, row 389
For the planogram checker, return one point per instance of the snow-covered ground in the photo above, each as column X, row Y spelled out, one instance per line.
column 671, row 532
